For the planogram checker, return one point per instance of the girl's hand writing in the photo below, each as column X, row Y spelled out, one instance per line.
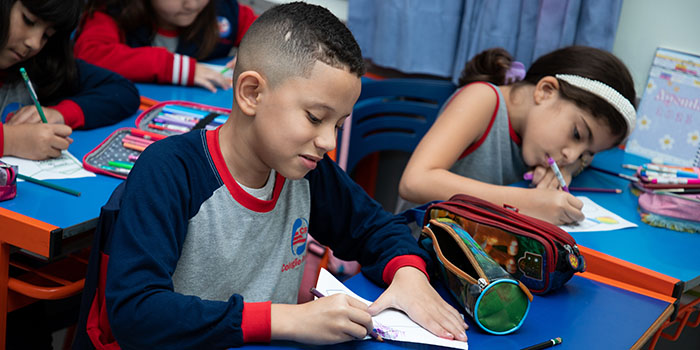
column 29, row 114
column 36, row 141
column 411, row 292
column 328, row 320
column 210, row 79
column 553, row 205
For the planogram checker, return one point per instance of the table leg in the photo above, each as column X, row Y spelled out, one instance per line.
column 4, row 277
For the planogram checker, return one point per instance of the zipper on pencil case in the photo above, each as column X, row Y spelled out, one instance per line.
column 482, row 281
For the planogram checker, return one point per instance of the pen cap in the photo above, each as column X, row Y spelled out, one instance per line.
column 8, row 181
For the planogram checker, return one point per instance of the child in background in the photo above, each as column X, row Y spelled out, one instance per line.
column 35, row 34
column 213, row 224
column 572, row 103
column 162, row 40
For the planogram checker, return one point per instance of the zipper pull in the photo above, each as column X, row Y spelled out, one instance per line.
column 482, row 283
column 573, row 258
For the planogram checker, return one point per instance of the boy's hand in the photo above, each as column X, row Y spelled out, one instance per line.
column 554, row 205
column 210, row 79
column 328, row 320
column 411, row 292
column 29, row 114
column 36, row 141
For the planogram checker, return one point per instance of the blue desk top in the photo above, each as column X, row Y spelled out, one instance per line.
column 584, row 313
column 669, row 252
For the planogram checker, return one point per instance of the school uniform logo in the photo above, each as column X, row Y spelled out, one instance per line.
column 224, row 26
column 300, row 230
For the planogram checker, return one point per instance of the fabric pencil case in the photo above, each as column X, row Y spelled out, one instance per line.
column 491, row 296
column 117, row 153
column 539, row 254
column 8, row 181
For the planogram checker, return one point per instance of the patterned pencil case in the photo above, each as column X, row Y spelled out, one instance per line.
column 119, row 151
column 8, row 181
column 495, row 300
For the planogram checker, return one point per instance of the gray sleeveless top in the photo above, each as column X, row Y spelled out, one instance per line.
column 495, row 159
column 498, row 159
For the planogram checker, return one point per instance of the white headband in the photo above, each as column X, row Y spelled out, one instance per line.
column 614, row 98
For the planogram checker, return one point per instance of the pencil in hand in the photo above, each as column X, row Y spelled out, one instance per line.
column 32, row 93
column 372, row 333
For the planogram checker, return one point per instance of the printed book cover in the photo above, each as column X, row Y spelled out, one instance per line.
column 668, row 116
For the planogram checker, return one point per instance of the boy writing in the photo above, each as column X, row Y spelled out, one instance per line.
column 207, row 249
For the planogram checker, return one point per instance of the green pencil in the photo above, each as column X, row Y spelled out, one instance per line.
column 32, row 93
column 224, row 70
column 48, row 184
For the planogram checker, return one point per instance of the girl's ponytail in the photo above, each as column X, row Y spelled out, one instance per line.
column 490, row 65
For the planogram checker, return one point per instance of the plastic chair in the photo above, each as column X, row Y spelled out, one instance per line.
column 392, row 114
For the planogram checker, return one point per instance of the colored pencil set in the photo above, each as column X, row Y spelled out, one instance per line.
column 135, row 140
column 181, row 119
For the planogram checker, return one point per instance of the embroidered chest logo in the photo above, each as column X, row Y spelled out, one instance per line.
column 300, row 230
column 224, row 26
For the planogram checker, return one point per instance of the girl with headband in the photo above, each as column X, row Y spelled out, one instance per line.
column 496, row 128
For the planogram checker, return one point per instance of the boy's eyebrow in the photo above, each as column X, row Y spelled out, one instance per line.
column 322, row 105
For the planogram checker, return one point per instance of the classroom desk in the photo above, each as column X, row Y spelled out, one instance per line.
column 39, row 219
column 584, row 313
column 667, row 252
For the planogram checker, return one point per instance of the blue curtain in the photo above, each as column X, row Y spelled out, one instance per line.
column 439, row 37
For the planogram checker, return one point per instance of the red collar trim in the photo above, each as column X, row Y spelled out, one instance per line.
column 239, row 194
column 513, row 135
column 167, row 32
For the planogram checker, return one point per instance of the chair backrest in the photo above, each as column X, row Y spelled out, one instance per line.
column 393, row 114
column 93, row 331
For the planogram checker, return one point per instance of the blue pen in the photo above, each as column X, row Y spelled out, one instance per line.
column 558, row 174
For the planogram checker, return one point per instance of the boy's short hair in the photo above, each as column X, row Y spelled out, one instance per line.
column 288, row 39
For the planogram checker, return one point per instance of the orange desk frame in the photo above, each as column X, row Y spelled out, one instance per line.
column 37, row 237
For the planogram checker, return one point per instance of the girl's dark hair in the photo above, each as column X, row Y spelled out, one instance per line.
column 132, row 15
column 588, row 62
column 53, row 68
column 489, row 65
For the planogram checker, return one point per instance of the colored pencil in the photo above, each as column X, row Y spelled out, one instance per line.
column 594, row 189
column 372, row 333
column 624, row 176
column 147, row 134
column 32, row 93
column 134, row 147
column 544, row 345
column 120, row 164
column 48, row 184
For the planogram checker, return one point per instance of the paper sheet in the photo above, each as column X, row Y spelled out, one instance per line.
column 390, row 324
column 218, row 68
column 64, row 167
column 597, row 219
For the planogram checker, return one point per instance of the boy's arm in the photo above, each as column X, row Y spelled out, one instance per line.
column 102, row 43
column 144, row 311
column 102, row 98
column 356, row 227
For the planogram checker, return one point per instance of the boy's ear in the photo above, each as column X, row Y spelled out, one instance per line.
column 247, row 91
column 546, row 88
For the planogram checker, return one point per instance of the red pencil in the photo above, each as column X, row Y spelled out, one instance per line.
column 593, row 189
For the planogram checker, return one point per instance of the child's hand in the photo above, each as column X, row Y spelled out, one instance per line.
column 411, row 292
column 232, row 63
column 545, row 178
column 210, row 79
column 329, row 320
column 36, row 141
column 29, row 114
column 553, row 205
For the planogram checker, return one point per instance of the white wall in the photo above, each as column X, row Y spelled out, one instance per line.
column 648, row 24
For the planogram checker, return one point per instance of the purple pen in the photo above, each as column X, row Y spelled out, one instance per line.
column 558, row 174
column 372, row 334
